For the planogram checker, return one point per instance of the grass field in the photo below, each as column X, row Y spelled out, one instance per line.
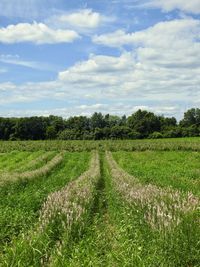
column 185, row 144
column 110, row 203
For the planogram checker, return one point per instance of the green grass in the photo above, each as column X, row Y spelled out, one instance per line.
column 20, row 161
column 10, row 161
column 118, row 235
column 177, row 169
column 189, row 144
column 35, row 162
column 21, row 201
column 113, row 232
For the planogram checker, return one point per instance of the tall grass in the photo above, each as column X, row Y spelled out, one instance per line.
column 163, row 206
column 64, row 211
column 169, row 216
column 22, row 200
column 118, row 234
column 185, row 144
column 127, row 210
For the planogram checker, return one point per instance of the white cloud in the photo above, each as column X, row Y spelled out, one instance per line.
column 99, row 69
column 37, row 33
column 114, row 39
column 115, row 103
column 167, row 60
column 83, row 20
column 88, row 110
column 163, row 68
column 188, row 6
column 164, row 64
column 162, row 34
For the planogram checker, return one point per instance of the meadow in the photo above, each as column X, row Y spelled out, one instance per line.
column 100, row 203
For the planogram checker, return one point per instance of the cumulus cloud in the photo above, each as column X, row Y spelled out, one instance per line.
column 114, row 39
column 164, row 64
column 82, row 20
column 163, row 68
column 162, row 34
column 191, row 6
column 167, row 58
column 37, row 33
column 99, row 69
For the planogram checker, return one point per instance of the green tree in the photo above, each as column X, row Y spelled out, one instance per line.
column 6, row 128
column 144, row 122
column 33, row 128
column 79, row 123
column 97, row 121
column 191, row 117
column 51, row 132
column 120, row 132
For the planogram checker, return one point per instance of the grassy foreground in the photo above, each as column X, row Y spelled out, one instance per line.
column 102, row 209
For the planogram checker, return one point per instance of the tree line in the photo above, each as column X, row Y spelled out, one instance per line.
column 139, row 125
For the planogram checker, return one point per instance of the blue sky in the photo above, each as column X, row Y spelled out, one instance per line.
column 77, row 57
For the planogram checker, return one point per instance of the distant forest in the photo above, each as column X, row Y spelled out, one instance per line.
column 141, row 124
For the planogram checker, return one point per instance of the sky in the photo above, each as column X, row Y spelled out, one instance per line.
column 70, row 58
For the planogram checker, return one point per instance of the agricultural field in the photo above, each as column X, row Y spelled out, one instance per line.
column 92, row 203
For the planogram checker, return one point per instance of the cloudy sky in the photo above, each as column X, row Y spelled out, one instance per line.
column 77, row 57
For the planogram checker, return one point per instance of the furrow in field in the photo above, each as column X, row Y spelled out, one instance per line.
column 163, row 207
column 44, row 170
